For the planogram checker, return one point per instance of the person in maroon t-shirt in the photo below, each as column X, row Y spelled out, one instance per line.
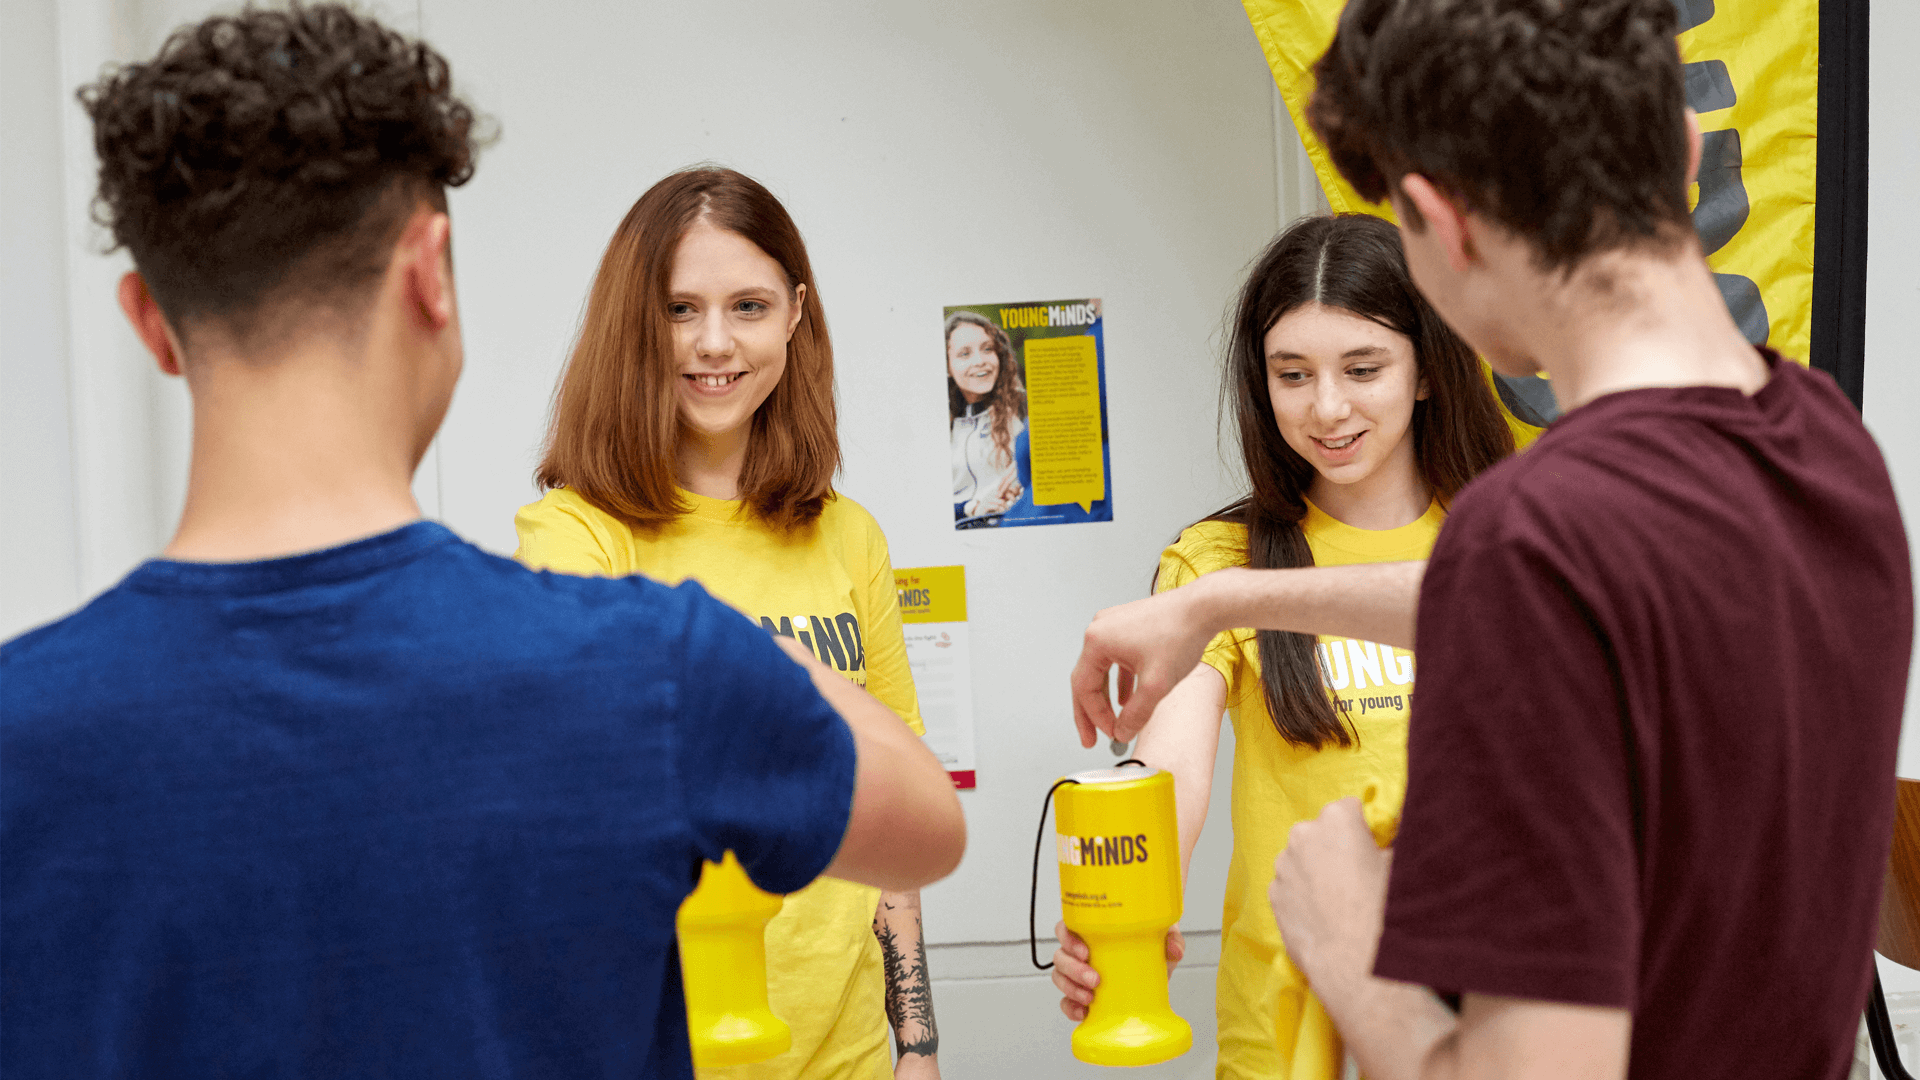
column 1663, row 653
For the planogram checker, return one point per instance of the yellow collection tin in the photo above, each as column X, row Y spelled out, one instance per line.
column 1118, row 842
column 723, row 965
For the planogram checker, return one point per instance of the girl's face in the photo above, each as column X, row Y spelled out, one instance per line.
column 1343, row 389
column 732, row 317
column 971, row 361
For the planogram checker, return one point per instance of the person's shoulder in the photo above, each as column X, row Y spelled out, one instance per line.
column 564, row 530
column 585, row 599
column 563, row 503
column 856, row 531
column 842, row 515
column 1809, row 384
column 1813, row 411
column 70, row 633
column 1204, row 547
column 1212, row 538
column 1635, row 448
column 630, row 628
column 537, row 612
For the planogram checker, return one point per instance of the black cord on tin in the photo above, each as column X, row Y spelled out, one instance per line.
column 1033, row 892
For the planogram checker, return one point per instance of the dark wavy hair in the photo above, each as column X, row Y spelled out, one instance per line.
column 1563, row 121
column 1007, row 402
column 1353, row 262
column 273, row 156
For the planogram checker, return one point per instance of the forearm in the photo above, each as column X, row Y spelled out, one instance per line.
column 1184, row 738
column 1370, row 601
column 1394, row 1030
column 1192, row 789
column 906, row 828
column 903, row 953
column 1398, row 1031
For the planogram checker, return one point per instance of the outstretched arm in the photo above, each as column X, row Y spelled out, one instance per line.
column 1155, row 642
column 903, row 950
column 905, row 829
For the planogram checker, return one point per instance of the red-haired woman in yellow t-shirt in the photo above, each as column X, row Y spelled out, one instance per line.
column 694, row 437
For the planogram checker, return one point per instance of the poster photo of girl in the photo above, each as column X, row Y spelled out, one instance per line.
column 986, row 412
column 1012, row 410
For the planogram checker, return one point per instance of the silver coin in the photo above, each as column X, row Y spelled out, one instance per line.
column 1119, row 748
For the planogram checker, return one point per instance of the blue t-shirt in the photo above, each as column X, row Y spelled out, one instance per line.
column 398, row 808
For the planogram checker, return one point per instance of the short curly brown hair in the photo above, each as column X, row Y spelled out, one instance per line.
column 271, row 158
column 1563, row 120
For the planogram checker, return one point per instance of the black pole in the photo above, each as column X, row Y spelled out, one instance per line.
column 1886, row 1053
column 1839, row 345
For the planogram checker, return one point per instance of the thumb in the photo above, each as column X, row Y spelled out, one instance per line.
column 1138, row 708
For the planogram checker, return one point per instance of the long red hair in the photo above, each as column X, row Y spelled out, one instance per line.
column 615, row 421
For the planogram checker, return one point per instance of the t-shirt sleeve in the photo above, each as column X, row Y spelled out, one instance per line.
column 766, row 766
column 889, row 678
column 556, row 535
column 1193, row 555
column 1515, row 872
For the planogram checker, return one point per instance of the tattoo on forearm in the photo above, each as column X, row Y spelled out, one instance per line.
column 909, row 993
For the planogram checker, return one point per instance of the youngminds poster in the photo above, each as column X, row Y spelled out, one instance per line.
column 1027, row 414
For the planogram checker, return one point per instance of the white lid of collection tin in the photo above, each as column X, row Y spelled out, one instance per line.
column 1117, row 775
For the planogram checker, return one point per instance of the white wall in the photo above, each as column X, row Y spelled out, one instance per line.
column 1892, row 383
column 40, row 567
column 1892, row 390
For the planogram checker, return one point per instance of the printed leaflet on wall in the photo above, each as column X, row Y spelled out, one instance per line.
column 1027, row 414
column 933, row 609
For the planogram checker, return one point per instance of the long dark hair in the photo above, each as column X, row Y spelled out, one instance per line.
column 1007, row 401
column 1353, row 262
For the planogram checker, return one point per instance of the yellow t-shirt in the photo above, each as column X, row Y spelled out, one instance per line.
column 831, row 587
column 1276, row 783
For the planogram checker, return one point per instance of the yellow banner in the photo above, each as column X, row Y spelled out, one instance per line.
column 1752, row 71
column 932, row 594
column 1753, row 75
column 1294, row 34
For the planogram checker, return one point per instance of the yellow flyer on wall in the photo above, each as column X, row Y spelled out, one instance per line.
column 1027, row 414
column 933, row 609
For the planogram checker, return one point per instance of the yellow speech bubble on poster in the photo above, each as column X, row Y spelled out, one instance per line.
column 936, row 594
column 1063, row 420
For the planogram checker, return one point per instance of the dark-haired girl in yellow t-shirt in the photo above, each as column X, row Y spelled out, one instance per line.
column 694, row 437
column 1360, row 414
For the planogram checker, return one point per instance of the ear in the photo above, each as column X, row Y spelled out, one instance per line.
column 799, row 308
column 1448, row 221
column 427, row 268
column 149, row 322
column 1693, row 147
column 1423, row 389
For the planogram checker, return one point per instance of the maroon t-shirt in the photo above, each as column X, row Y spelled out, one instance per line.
column 1663, row 657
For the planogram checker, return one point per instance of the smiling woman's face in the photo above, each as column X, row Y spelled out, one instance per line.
column 732, row 316
column 971, row 361
column 1343, row 389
